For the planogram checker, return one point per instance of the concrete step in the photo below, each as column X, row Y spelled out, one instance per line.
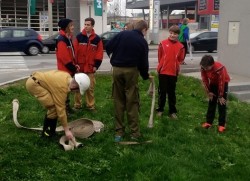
column 189, row 69
column 242, row 95
column 242, row 86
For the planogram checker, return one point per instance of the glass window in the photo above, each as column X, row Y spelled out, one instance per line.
column 204, row 35
column 18, row 33
column 5, row 34
column 213, row 34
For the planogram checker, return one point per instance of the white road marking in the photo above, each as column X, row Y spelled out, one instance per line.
column 12, row 63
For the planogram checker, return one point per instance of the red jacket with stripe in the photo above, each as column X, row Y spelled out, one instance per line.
column 216, row 76
column 65, row 54
column 89, row 51
column 170, row 55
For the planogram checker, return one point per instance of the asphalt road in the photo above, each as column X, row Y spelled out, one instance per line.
column 16, row 66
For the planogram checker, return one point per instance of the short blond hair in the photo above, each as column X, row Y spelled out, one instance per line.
column 185, row 21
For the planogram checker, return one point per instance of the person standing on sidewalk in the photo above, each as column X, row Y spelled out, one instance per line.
column 65, row 52
column 215, row 80
column 89, row 54
column 184, row 36
column 129, row 58
column 170, row 56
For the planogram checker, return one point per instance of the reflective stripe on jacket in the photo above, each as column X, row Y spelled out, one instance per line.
column 88, row 50
column 64, row 52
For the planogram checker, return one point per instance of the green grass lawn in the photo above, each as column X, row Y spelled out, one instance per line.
column 181, row 149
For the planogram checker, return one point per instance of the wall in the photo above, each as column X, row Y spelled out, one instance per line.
column 235, row 56
column 100, row 21
column 78, row 10
column 73, row 12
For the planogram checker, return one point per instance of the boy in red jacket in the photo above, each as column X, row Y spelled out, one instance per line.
column 170, row 55
column 215, row 80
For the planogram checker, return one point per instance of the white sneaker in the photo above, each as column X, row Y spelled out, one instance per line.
column 173, row 116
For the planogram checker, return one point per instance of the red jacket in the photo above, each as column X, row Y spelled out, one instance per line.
column 89, row 51
column 170, row 55
column 216, row 76
column 65, row 54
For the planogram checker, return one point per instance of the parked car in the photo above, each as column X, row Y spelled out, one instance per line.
column 106, row 36
column 49, row 44
column 20, row 40
column 204, row 41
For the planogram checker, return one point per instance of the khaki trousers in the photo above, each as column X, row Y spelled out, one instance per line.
column 43, row 96
column 126, row 99
column 89, row 94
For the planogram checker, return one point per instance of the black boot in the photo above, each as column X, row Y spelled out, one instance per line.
column 69, row 110
column 49, row 127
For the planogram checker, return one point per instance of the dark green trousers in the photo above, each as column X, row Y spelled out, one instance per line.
column 126, row 99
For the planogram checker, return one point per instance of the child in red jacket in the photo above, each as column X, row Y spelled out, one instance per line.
column 170, row 56
column 215, row 79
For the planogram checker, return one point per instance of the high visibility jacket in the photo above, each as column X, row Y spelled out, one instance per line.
column 170, row 55
column 216, row 76
column 65, row 54
column 89, row 51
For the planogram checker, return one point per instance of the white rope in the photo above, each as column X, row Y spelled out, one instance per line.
column 81, row 128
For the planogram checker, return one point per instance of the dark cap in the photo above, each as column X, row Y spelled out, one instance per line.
column 63, row 23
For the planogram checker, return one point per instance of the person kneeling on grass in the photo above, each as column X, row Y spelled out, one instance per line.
column 51, row 89
column 215, row 80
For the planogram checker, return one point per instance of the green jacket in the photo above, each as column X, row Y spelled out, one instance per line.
column 184, row 33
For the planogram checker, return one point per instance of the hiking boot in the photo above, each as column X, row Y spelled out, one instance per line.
column 173, row 116
column 221, row 129
column 49, row 127
column 75, row 108
column 206, row 125
column 159, row 113
column 118, row 139
column 91, row 109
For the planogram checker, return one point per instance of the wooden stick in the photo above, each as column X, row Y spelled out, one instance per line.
column 152, row 90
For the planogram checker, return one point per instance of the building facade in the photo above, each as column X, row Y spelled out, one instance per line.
column 35, row 14
column 233, row 42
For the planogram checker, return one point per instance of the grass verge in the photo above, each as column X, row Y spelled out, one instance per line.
column 181, row 149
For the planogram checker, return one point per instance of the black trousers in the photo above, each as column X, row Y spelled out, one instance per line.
column 167, row 85
column 213, row 104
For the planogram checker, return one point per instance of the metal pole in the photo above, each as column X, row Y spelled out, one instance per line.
column 50, row 18
column 28, row 11
column 168, row 13
column 0, row 13
column 102, row 15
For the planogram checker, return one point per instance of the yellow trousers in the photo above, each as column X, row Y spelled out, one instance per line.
column 89, row 94
column 43, row 96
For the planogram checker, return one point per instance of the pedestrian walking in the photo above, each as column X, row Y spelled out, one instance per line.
column 184, row 36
